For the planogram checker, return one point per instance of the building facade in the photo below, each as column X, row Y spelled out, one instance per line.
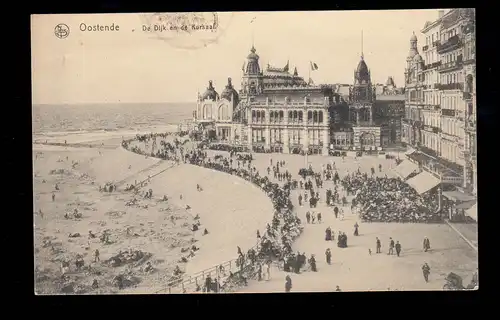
column 368, row 116
column 275, row 110
column 440, row 96
column 278, row 111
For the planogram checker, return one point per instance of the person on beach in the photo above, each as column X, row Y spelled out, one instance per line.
column 96, row 255
column 53, row 197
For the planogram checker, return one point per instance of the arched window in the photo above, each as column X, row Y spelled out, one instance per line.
column 271, row 116
column 254, row 116
column 290, row 116
column 309, row 116
column 315, row 117
column 320, row 117
column 204, row 112
column 281, row 116
column 301, row 116
column 295, row 116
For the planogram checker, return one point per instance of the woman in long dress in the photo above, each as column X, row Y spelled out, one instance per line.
column 328, row 234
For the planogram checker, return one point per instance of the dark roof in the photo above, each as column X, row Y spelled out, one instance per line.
column 210, row 93
column 362, row 67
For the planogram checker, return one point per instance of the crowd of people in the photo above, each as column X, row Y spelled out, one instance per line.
column 276, row 242
column 377, row 199
column 383, row 199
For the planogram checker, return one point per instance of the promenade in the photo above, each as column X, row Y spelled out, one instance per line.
column 353, row 268
column 232, row 210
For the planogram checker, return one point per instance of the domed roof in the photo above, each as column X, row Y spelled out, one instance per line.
column 210, row 93
column 412, row 53
column 413, row 37
column 417, row 58
column 253, row 55
column 229, row 93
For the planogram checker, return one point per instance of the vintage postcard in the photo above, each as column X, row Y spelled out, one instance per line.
column 209, row 152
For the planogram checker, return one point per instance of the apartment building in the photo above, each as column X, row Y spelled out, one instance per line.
column 440, row 98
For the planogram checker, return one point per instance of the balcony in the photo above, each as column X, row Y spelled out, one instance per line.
column 470, row 60
column 432, row 65
column 425, row 48
column 467, row 96
column 450, row 86
column 448, row 112
column 450, row 66
column 452, row 44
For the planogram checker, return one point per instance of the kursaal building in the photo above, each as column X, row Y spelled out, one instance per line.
column 278, row 111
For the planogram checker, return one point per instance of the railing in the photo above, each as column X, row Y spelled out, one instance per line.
column 450, row 66
column 451, row 44
column 467, row 96
column 450, row 86
column 432, row 65
column 183, row 284
column 448, row 112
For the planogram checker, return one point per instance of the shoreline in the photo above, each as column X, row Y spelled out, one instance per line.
column 57, row 153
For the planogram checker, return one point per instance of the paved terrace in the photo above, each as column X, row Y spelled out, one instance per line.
column 353, row 268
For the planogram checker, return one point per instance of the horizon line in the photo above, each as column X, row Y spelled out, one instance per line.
column 106, row 102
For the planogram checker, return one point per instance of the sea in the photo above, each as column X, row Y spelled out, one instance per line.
column 108, row 117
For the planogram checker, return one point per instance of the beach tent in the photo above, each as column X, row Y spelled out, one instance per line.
column 472, row 212
column 405, row 169
column 423, row 182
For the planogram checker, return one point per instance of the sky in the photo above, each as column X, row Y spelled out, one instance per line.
column 136, row 66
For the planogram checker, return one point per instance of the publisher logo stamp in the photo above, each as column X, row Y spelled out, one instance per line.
column 61, row 31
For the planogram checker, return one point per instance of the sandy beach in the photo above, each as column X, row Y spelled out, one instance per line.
column 231, row 209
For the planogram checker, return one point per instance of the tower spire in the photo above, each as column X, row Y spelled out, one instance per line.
column 362, row 54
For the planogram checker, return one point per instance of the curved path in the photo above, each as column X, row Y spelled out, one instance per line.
column 230, row 208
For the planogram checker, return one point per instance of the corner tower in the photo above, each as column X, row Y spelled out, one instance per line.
column 251, row 82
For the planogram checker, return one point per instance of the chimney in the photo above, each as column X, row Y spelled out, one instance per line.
column 440, row 13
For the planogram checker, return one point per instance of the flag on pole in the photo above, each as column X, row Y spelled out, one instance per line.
column 314, row 66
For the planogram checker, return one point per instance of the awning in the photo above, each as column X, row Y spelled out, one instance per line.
column 409, row 151
column 472, row 212
column 466, row 205
column 405, row 169
column 423, row 182
column 458, row 196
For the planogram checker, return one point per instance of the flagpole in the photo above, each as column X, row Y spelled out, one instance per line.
column 310, row 67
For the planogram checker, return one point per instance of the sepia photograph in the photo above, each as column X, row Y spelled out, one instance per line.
column 254, row 152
